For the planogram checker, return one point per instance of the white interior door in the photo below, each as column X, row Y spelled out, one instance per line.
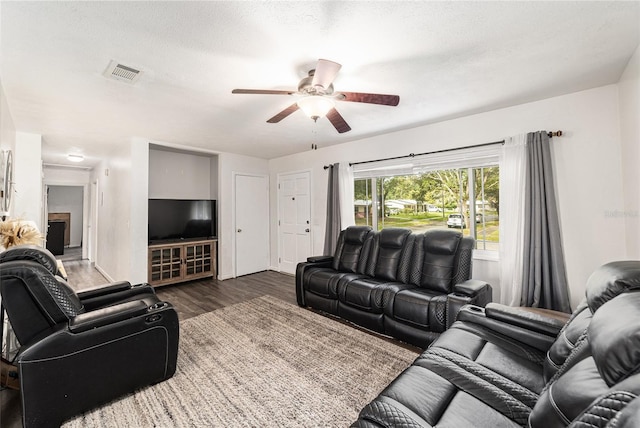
column 252, row 224
column 294, row 220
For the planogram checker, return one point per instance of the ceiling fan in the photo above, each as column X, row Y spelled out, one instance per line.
column 317, row 96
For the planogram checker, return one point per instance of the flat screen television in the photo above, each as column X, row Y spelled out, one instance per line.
column 180, row 219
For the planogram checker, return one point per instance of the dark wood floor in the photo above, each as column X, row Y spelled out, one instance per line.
column 189, row 299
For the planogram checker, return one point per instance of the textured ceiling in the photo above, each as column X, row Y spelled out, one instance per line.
column 444, row 59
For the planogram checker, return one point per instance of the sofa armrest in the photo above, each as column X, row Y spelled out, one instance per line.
column 471, row 288
column 101, row 290
column 519, row 332
column 106, row 316
column 469, row 292
column 320, row 259
column 313, row 262
column 547, row 322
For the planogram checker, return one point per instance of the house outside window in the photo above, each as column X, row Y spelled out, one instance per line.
column 454, row 190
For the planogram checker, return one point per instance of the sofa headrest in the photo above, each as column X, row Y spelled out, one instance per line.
column 614, row 336
column 393, row 237
column 610, row 280
column 438, row 241
column 356, row 234
column 31, row 253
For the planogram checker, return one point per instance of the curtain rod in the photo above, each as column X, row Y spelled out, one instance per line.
column 410, row 155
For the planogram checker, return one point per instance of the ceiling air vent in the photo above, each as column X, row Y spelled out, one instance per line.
column 122, row 72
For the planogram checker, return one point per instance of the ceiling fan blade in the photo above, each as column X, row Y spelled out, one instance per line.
column 360, row 97
column 325, row 72
column 338, row 121
column 284, row 113
column 262, row 91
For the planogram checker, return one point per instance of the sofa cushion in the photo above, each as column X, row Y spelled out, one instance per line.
column 422, row 308
column 348, row 252
column 614, row 336
column 419, row 397
column 435, row 256
column 508, row 358
column 324, row 281
column 386, row 254
column 610, row 280
column 567, row 340
column 364, row 293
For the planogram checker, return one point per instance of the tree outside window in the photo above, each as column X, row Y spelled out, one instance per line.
column 434, row 200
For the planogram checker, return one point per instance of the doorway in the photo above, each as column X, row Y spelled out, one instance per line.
column 65, row 221
column 294, row 220
column 251, row 223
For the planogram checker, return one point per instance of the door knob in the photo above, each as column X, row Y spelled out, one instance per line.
column 306, row 230
column 239, row 230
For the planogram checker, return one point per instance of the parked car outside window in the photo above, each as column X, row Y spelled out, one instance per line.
column 456, row 220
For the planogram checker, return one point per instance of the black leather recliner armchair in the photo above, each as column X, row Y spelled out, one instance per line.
column 81, row 350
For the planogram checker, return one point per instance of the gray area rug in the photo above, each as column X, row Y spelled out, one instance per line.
column 261, row 363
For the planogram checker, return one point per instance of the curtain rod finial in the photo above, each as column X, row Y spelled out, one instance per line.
column 554, row 134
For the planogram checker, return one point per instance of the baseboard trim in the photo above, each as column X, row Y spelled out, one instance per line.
column 105, row 274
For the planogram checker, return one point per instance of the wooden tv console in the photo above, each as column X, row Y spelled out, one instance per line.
column 181, row 261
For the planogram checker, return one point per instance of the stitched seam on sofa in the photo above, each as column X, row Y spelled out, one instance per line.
column 555, row 407
column 47, row 315
column 528, row 353
column 479, row 388
column 616, row 418
column 521, row 393
column 604, row 409
column 551, row 362
column 580, row 344
column 409, row 416
column 42, row 360
column 566, row 340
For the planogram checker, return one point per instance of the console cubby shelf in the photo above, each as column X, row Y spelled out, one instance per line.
column 175, row 262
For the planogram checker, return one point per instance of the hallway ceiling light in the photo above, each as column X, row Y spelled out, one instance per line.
column 75, row 158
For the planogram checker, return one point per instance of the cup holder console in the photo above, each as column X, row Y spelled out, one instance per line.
column 158, row 305
column 473, row 308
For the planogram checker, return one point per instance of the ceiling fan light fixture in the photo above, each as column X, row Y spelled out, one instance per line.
column 316, row 106
column 75, row 158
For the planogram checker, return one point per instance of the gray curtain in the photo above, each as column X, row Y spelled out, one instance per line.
column 332, row 229
column 544, row 281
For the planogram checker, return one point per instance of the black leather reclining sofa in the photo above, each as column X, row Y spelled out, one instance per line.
column 501, row 366
column 409, row 286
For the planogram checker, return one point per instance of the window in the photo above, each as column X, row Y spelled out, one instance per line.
column 421, row 196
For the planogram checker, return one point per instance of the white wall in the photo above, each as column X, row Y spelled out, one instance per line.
column 228, row 165
column 27, row 197
column 139, row 225
column 7, row 129
column 629, row 93
column 587, row 163
column 68, row 199
column 175, row 175
column 66, row 176
column 122, row 211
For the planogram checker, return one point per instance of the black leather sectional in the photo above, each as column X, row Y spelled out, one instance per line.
column 406, row 285
column 501, row 366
